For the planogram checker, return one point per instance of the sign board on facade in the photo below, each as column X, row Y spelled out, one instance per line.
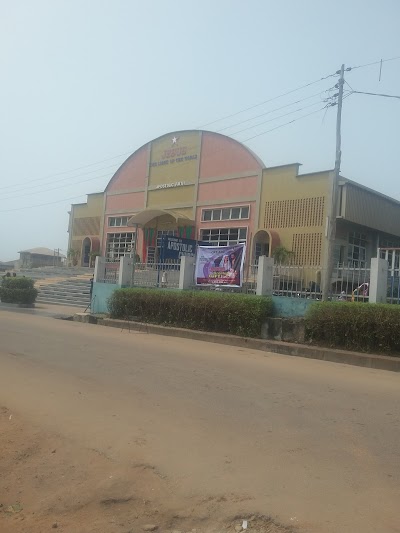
column 176, row 247
column 171, row 185
column 220, row 265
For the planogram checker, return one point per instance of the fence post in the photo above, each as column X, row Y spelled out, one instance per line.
column 125, row 271
column 186, row 272
column 99, row 269
column 378, row 280
column 265, row 276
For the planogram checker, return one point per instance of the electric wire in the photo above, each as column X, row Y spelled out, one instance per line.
column 69, row 178
column 373, row 63
column 49, row 176
column 271, row 111
column 204, row 125
column 266, row 101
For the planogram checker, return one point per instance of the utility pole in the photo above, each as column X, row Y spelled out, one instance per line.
column 332, row 212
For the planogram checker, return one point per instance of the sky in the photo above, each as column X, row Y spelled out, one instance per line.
column 84, row 83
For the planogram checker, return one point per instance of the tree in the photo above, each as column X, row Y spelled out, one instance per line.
column 93, row 254
column 282, row 255
column 73, row 255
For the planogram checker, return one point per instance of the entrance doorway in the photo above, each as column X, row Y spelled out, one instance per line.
column 154, row 252
column 86, row 249
column 261, row 245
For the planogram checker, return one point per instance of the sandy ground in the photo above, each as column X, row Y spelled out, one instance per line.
column 48, row 482
column 102, row 430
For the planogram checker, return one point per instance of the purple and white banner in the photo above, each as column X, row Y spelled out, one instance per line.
column 220, row 265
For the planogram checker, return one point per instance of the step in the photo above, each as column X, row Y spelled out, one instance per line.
column 62, row 298
column 59, row 302
column 65, row 297
column 80, row 297
column 68, row 286
column 62, row 293
column 64, row 290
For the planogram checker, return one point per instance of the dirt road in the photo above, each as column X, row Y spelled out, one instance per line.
column 107, row 431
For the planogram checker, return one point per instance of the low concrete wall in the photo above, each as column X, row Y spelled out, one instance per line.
column 100, row 295
column 284, row 329
column 285, row 306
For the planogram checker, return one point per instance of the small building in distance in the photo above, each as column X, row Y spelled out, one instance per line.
column 40, row 257
column 8, row 265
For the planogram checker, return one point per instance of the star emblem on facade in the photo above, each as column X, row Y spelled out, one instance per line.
column 174, row 139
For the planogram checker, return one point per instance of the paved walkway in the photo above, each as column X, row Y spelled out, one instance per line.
column 44, row 309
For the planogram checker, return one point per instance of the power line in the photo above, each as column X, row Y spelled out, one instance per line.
column 282, row 125
column 55, row 188
column 245, row 140
column 42, row 205
column 67, row 171
column 266, row 101
column 276, row 118
column 209, row 123
column 347, row 83
column 204, row 125
column 40, row 185
column 378, row 94
column 271, row 111
column 373, row 63
column 56, row 181
column 294, row 120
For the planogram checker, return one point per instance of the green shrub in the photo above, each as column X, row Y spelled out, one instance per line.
column 18, row 290
column 237, row 314
column 355, row 326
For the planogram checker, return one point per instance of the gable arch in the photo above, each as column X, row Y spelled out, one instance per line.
column 219, row 155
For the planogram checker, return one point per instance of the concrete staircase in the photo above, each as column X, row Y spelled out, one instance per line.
column 74, row 292
column 45, row 273
column 61, row 286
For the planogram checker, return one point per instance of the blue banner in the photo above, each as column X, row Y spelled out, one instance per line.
column 176, row 247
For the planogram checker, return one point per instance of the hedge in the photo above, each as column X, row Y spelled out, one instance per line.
column 355, row 326
column 18, row 290
column 237, row 314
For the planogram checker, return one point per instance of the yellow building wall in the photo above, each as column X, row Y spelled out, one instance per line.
column 175, row 158
column 174, row 167
column 175, row 196
column 85, row 220
column 295, row 207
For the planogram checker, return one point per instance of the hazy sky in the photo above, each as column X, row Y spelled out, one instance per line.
column 82, row 81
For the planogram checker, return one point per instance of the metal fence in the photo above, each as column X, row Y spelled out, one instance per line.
column 297, row 281
column 351, row 283
column 392, row 256
column 161, row 275
column 347, row 283
column 111, row 272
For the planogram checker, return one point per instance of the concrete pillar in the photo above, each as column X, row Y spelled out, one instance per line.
column 186, row 274
column 125, row 271
column 265, row 276
column 99, row 269
column 378, row 280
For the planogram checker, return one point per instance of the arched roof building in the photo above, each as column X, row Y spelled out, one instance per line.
column 209, row 187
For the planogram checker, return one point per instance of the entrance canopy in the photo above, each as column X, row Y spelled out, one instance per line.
column 147, row 215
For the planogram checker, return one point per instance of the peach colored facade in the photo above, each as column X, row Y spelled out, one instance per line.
column 206, row 186
column 184, row 173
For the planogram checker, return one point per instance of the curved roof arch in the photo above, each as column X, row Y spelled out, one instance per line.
column 206, row 133
column 147, row 215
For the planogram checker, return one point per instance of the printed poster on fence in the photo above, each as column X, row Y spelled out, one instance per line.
column 220, row 265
